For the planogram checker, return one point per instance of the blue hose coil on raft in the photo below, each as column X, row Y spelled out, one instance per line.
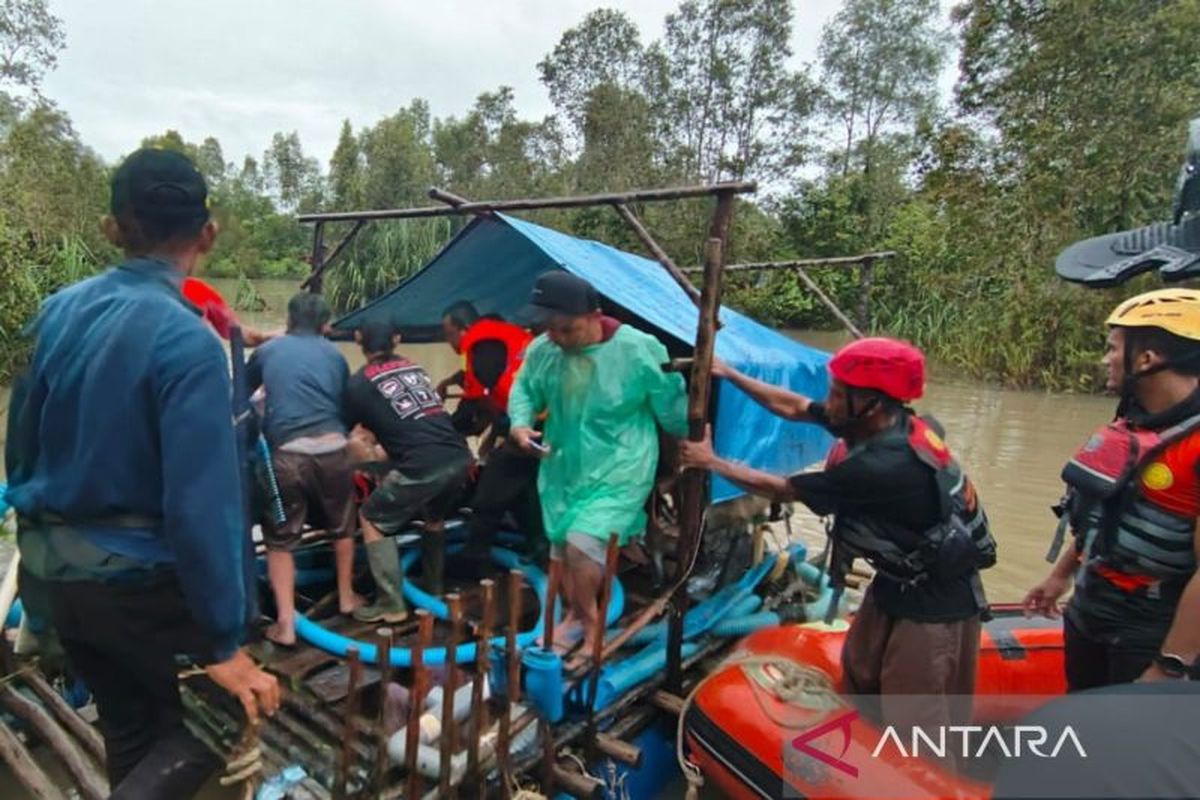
column 436, row 606
column 716, row 608
column 337, row 644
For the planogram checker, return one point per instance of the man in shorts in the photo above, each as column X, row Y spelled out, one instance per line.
column 425, row 471
column 602, row 388
column 305, row 376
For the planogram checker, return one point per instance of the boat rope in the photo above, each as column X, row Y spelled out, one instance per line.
column 245, row 763
column 799, row 684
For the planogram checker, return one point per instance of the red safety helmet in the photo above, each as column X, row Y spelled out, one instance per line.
column 890, row 366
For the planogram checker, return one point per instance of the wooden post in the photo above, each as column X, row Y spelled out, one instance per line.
column 66, row 715
column 316, row 276
column 349, row 733
column 532, row 203
column 383, row 658
column 454, row 603
column 412, row 741
column 512, row 689
column 828, row 302
column 865, row 276
column 317, row 263
column 659, row 254
column 479, row 715
column 694, row 483
column 549, row 761
column 92, row 786
column 26, row 770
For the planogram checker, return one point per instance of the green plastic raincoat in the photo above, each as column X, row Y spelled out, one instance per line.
column 601, row 404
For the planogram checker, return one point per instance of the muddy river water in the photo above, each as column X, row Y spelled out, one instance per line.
column 1013, row 443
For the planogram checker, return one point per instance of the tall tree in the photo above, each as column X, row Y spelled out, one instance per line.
column 30, row 40
column 1089, row 99
column 210, row 160
column 880, row 61
column 345, row 169
column 293, row 177
column 731, row 105
column 398, row 165
column 604, row 49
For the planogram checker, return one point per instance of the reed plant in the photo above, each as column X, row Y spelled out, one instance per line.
column 381, row 258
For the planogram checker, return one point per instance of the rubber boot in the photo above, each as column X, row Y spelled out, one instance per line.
column 433, row 561
column 389, row 606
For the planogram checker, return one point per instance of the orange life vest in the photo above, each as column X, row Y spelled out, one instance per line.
column 514, row 338
column 1136, row 500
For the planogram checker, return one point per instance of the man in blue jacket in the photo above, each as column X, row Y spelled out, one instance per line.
column 123, row 472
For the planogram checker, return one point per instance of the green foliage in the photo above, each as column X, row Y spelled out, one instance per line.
column 376, row 264
column 248, row 297
column 30, row 40
column 1067, row 122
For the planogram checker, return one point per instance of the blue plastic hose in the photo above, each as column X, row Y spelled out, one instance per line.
column 436, row 606
column 264, row 452
column 331, row 642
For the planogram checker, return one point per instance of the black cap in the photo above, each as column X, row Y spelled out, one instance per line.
column 376, row 336
column 560, row 292
column 161, row 186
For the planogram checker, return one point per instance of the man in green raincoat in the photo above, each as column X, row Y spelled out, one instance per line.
column 601, row 387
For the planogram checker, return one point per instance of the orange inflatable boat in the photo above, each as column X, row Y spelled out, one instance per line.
column 756, row 730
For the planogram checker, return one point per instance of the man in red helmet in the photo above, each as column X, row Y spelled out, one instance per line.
column 899, row 500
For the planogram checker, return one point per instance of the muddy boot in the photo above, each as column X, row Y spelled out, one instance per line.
column 433, row 561
column 385, row 569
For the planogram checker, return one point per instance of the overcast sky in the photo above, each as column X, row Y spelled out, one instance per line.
column 240, row 70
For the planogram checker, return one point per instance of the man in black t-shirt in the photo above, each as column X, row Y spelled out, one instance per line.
column 917, row 630
column 426, row 468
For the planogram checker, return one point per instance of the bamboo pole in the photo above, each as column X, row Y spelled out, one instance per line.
column 479, row 715
column 92, row 786
column 865, row 276
column 529, row 204
column 828, row 303
column 512, row 689
column 349, row 732
column 694, row 483
column 449, row 687
column 659, row 254
column 417, row 698
column 317, row 262
column 552, row 587
column 314, row 277
column 69, row 717
column 835, row 261
column 383, row 658
column 26, row 770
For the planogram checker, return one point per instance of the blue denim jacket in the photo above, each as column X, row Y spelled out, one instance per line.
column 125, row 412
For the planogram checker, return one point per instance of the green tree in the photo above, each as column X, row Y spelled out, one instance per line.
column 880, row 61
column 1089, row 100
column 731, row 107
column 605, row 49
column 30, row 40
column 293, row 178
column 345, row 169
column 398, row 163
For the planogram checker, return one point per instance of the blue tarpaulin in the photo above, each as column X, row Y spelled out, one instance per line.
column 494, row 261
